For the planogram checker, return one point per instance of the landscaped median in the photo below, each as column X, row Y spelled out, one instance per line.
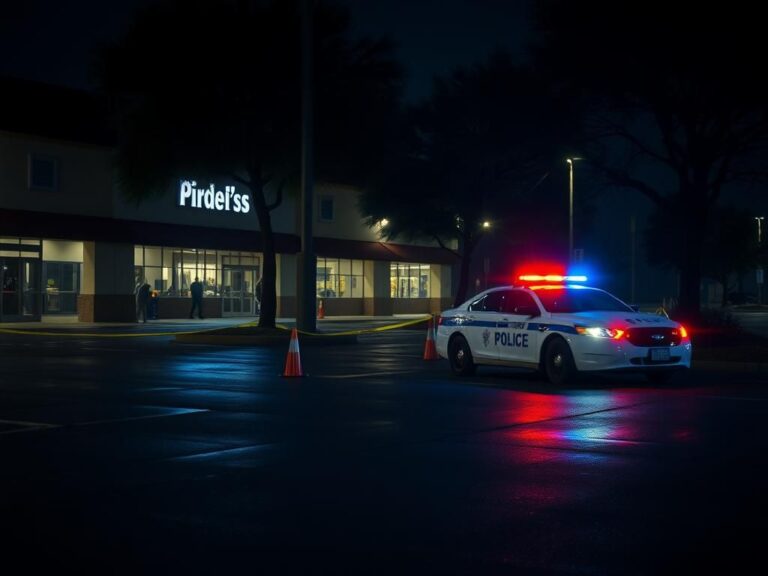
column 252, row 335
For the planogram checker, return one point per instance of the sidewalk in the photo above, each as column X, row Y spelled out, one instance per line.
column 228, row 331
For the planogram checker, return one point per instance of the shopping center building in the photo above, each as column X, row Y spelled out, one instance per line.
column 72, row 245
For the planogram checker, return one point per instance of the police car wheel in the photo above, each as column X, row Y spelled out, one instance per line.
column 558, row 362
column 460, row 357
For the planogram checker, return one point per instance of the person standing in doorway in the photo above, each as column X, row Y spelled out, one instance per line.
column 142, row 300
column 196, row 288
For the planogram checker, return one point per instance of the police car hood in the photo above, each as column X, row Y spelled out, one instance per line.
column 622, row 320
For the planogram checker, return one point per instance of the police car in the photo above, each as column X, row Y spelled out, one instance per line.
column 557, row 325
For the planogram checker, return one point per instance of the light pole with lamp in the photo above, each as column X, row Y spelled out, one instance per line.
column 759, row 271
column 570, row 207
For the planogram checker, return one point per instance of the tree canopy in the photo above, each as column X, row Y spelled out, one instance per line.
column 213, row 89
column 479, row 142
column 672, row 104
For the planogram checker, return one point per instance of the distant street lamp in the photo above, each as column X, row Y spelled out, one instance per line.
column 759, row 229
column 570, row 207
column 486, row 225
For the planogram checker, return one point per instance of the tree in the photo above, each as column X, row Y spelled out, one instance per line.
column 673, row 107
column 213, row 88
column 729, row 244
column 480, row 140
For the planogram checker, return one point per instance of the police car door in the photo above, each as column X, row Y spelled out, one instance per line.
column 483, row 315
column 516, row 343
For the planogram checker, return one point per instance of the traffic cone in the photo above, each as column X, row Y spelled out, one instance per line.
column 320, row 311
column 293, row 359
column 430, row 352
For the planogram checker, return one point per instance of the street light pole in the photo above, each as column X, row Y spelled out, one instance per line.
column 570, row 207
column 759, row 271
column 307, row 265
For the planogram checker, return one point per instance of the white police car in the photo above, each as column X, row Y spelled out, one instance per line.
column 563, row 329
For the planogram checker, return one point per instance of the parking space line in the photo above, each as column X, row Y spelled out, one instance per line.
column 26, row 426
column 366, row 375
column 176, row 412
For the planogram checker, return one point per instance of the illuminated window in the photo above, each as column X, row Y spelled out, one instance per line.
column 339, row 278
column 409, row 280
column 171, row 271
column 61, row 287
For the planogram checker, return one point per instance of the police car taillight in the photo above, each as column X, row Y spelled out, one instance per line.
column 439, row 320
column 683, row 332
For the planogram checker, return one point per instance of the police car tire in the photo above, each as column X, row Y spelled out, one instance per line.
column 462, row 365
column 562, row 371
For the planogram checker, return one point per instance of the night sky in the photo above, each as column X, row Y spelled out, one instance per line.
column 54, row 41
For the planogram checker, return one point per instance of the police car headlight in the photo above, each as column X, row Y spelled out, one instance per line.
column 599, row 332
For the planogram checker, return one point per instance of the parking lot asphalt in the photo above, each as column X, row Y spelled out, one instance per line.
column 224, row 331
column 138, row 455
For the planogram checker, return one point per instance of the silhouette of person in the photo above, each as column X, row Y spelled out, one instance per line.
column 196, row 288
column 142, row 299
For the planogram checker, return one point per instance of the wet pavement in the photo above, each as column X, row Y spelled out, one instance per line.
column 140, row 455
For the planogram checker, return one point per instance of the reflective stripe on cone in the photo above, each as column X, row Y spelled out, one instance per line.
column 293, row 359
column 430, row 352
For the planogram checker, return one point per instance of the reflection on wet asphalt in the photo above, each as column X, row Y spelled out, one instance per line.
column 145, row 455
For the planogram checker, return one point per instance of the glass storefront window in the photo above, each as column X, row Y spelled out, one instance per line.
column 409, row 280
column 61, row 287
column 171, row 271
column 20, row 278
column 339, row 278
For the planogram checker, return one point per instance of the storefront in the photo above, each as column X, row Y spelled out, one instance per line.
column 97, row 280
column 71, row 245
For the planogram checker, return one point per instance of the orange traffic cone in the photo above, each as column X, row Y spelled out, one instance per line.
column 293, row 360
column 320, row 311
column 430, row 352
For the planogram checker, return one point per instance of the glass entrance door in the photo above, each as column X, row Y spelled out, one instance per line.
column 238, row 291
column 19, row 289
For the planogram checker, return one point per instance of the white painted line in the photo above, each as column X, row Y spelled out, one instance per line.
column 26, row 426
column 223, row 452
column 176, row 412
column 368, row 374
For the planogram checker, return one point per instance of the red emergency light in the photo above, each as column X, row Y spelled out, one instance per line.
column 558, row 278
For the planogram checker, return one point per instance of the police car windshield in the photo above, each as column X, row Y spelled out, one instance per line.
column 569, row 300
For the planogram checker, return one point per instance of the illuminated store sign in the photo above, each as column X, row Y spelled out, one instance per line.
column 212, row 199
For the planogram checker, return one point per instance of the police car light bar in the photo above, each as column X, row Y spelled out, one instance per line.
column 551, row 278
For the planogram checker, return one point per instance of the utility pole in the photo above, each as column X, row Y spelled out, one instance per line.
column 307, row 266
column 570, row 162
column 759, row 272
column 632, row 232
